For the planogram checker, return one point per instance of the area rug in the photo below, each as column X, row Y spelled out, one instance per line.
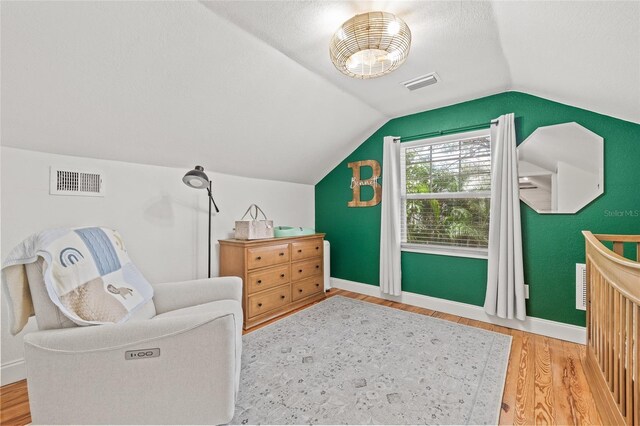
column 345, row 361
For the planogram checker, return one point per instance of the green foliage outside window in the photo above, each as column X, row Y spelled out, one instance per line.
column 461, row 169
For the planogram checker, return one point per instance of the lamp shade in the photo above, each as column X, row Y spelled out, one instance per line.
column 370, row 45
column 196, row 178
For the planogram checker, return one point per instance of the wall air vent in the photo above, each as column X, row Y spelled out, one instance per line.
column 65, row 181
column 581, row 286
column 422, row 81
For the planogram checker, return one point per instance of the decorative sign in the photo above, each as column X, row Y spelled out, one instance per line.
column 357, row 183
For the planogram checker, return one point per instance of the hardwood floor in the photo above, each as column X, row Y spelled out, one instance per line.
column 14, row 404
column 545, row 381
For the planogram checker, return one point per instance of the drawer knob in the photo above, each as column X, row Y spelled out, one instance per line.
column 259, row 305
column 317, row 248
column 259, row 258
column 281, row 254
column 317, row 266
column 281, row 275
column 300, row 270
column 259, row 281
column 317, row 285
column 282, row 297
column 300, row 290
column 299, row 250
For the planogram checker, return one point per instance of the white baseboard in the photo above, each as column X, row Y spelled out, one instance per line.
column 558, row 330
column 13, row 371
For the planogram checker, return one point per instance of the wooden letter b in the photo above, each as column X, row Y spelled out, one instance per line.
column 356, row 183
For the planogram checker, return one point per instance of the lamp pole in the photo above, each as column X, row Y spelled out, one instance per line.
column 211, row 201
column 209, row 250
column 198, row 179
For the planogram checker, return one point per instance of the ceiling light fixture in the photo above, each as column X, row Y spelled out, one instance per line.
column 370, row 45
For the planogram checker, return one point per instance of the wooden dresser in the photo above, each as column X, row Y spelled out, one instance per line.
column 278, row 274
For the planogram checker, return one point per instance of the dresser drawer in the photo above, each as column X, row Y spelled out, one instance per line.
column 306, row 249
column 269, row 300
column 306, row 268
column 305, row 288
column 276, row 280
column 258, row 257
column 264, row 279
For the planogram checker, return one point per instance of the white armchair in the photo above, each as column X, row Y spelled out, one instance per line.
column 112, row 374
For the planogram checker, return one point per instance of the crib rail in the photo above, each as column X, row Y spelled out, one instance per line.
column 612, row 361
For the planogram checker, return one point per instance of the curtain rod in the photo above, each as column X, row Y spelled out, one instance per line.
column 444, row 132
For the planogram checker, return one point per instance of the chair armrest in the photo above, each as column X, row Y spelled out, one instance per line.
column 114, row 336
column 171, row 296
column 83, row 375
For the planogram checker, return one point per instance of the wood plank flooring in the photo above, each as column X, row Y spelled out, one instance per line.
column 545, row 381
column 14, row 404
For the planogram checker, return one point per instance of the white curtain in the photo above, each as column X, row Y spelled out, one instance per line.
column 390, row 275
column 505, row 296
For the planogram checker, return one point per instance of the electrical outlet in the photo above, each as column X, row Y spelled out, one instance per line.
column 526, row 291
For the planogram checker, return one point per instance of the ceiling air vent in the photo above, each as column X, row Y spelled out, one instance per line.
column 75, row 182
column 422, row 81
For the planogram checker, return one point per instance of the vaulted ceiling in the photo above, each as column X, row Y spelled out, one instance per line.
column 247, row 87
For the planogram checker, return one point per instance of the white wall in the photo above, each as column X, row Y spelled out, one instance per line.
column 163, row 222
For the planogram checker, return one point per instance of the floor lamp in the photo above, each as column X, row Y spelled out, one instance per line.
column 198, row 179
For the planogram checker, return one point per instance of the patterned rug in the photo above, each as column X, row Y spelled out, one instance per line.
column 344, row 361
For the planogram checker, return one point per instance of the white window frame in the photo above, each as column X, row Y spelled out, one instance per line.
column 477, row 253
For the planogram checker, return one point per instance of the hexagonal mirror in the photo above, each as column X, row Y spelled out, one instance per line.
column 561, row 168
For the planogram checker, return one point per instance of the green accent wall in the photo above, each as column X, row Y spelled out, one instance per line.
column 552, row 244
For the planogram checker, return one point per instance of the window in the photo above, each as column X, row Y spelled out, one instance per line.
column 446, row 191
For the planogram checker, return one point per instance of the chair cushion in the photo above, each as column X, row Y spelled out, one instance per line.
column 48, row 315
column 219, row 305
column 145, row 312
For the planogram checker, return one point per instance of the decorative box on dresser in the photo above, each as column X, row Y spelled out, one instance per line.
column 278, row 274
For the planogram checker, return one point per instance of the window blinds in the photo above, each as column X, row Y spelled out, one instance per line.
column 446, row 189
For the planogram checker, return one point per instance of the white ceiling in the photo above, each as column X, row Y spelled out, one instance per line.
column 172, row 84
column 458, row 40
column 582, row 53
column 247, row 87
column 585, row 54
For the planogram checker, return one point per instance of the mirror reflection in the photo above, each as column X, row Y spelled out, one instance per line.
column 560, row 168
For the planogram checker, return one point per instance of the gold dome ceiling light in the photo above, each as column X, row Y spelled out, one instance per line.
column 370, row 45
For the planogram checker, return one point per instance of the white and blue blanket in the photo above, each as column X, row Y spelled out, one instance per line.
column 88, row 274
